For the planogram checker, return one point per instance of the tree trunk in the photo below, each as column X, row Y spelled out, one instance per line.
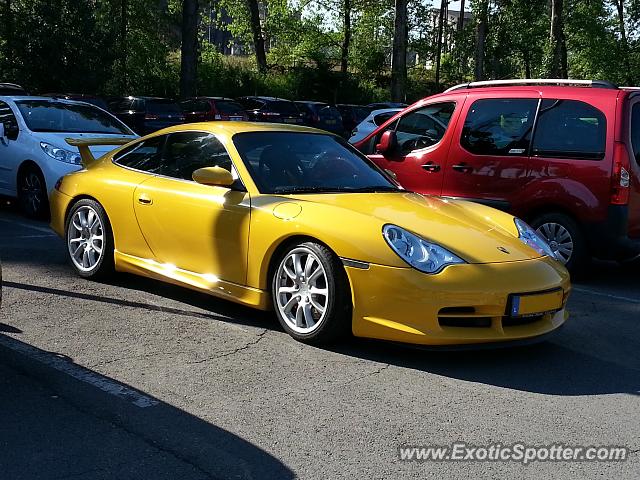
column 124, row 20
column 625, row 44
column 189, row 49
column 399, row 58
column 481, row 39
column 443, row 5
column 461, row 19
column 558, row 42
column 344, row 52
column 258, row 39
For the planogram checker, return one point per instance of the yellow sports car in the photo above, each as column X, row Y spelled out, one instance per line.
column 295, row 219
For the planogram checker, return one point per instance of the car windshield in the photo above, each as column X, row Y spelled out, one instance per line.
column 281, row 106
column 47, row 116
column 229, row 107
column 162, row 107
column 300, row 162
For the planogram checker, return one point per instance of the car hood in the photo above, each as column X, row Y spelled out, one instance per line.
column 476, row 233
column 58, row 139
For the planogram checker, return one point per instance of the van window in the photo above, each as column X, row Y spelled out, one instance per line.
column 424, row 126
column 499, row 126
column 635, row 131
column 570, row 129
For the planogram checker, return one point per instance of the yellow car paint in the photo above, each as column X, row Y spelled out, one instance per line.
column 222, row 241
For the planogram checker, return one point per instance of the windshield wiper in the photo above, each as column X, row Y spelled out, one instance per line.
column 374, row 189
column 316, row 189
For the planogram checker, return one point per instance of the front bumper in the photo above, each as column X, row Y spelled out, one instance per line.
column 463, row 305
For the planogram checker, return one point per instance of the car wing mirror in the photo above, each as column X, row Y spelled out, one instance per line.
column 388, row 143
column 214, row 176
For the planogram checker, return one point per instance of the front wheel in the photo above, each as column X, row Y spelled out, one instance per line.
column 32, row 193
column 311, row 294
column 89, row 239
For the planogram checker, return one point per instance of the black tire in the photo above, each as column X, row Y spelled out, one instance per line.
column 104, row 266
column 32, row 193
column 335, row 323
column 579, row 257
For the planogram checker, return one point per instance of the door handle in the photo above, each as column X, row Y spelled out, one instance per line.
column 145, row 199
column 431, row 167
column 462, row 167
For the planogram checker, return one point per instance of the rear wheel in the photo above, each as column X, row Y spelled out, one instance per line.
column 32, row 193
column 564, row 237
column 89, row 239
column 311, row 294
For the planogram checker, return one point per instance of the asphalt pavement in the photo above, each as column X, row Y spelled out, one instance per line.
column 135, row 379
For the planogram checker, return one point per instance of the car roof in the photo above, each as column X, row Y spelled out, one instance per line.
column 268, row 99
column 17, row 98
column 228, row 99
column 311, row 102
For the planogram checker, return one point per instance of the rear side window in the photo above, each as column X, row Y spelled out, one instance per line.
column 499, row 127
column 570, row 129
column 635, row 131
column 8, row 119
column 144, row 156
column 280, row 106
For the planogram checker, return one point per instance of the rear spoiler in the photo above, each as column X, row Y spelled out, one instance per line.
column 83, row 145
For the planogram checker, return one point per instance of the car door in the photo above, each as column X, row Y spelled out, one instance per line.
column 200, row 229
column 421, row 154
column 488, row 159
column 634, row 197
column 12, row 153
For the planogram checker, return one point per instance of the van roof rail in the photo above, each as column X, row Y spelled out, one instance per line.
column 534, row 81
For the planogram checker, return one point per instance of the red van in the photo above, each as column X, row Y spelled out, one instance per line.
column 562, row 154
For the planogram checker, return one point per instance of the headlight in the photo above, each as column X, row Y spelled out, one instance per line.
column 61, row 154
column 425, row 256
column 533, row 239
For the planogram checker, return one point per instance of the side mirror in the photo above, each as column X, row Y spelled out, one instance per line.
column 388, row 143
column 214, row 176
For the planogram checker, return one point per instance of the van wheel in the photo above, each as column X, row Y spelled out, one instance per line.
column 311, row 294
column 564, row 237
column 32, row 193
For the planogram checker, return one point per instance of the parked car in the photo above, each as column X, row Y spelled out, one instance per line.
column 373, row 121
column 12, row 89
column 321, row 115
column 271, row 109
column 562, row 154
column 204, row 109
column 352, row 115
column 146, row 114
column 380, row 105
column 284, row 217
column 81, row 97
column 33, row 152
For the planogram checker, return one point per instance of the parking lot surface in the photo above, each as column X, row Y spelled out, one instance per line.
column 137, row 379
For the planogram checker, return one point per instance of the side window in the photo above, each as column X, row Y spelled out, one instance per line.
column 635, row 131
column 8, row 119
column 570, row 129
column 186, row 152
column 143, row 156
column 423, row 127
column 499, row 126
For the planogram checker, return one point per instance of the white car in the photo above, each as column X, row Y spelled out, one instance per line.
column 33, row 150
column 373, row 121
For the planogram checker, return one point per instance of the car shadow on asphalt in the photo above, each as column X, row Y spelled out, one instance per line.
column 101, row 434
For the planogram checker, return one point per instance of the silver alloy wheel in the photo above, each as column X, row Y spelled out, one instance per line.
column 559, row 239
column 85, row 238
column 32, row 191
column 302, row 290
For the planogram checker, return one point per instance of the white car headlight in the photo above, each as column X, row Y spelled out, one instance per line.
column 533, row 239
column 61, row 154
column 422, row 255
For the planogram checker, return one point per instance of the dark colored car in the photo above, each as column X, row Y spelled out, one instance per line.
column 381, row 105
column 565, row 157
column 146, row 114
column 271, row 109
column 12, row 89
column 81, row 97
column 205, row 109
column 321, row 115
column 352, row 115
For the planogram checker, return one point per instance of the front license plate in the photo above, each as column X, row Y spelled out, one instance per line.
column 535, row 304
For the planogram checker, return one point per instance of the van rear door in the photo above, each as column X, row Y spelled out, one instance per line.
column 634, row 193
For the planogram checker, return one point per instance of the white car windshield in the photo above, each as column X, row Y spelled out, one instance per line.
column 47, row 116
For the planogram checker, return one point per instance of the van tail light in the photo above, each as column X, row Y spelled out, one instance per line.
column 620, row 182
